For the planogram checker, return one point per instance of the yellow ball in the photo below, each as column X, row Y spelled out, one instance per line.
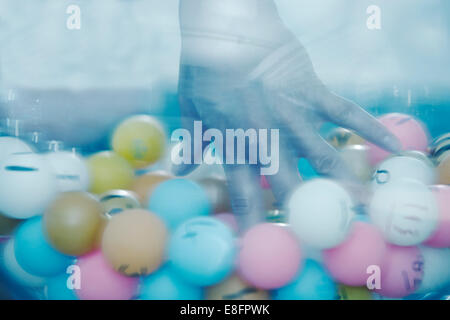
column 109, row 171
column 340, row 138
column 354, row 293
column 140, row 140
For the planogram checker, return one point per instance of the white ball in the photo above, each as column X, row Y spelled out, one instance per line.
column 405, row 211
column 10, row 145
column 15, row 271
column 436, row 269
column 320, row 212
column 404, row 167
column 27, row 185
column 71, row 171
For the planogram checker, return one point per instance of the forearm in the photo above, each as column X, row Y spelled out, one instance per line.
column 235, row 32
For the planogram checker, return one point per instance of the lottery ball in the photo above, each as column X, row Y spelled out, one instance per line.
column 202, row 251
column 27, row 185
column 217, row 191
column 405, row 211
column 99, row 281
column 354, row 293
column 440, row 145
column 7, row 225
column 444, row 170
column 191, row 201
column 441, row 236
column 165, row 284
column 234, row 288
column 14, row 271
column 109, row 171
column 401, row 271
column 404, row 167
column 348, row 262
column 357, row 159
column 436, row 269
column 10, row 145
column 228, row 219
column 140, row 140
column 269, row 257
column 341, row 137
column 34, row 254
column 72, row 223
column 408, row 130
column 144, row 185
column 318, row 223
column 133, row 242
column 313, row 282
column 57, row 288
column 70, row 170
column 116, row 201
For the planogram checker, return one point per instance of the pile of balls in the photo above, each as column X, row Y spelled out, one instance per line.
column 111, row 226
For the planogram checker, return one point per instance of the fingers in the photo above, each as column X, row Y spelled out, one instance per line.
column 245, row 194
column 351, row 116
column 188, row 117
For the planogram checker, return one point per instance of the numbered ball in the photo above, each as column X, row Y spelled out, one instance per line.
column 409, row 131
column 109, row 171
column 133, row 242
column 404, row 167
column 444, row 170
column 140, row 140
column 354, row 293
column 116, row 201
column 73, row 222
column 217, row 191
column 401, row 272
column 340, row 138
column 191, row 201
column 14, row 271
column 59, row 288
column 270, row 256
column 27, row 185
column 440, row 145
column 99, row 281
column 320, row 212
column 202, row 251
column 436, row 270
column 34, row 254
column 145, row 184
column 441, row 236
column 313, row 282
column 165, row 284
column 11, row 145
column 405, row 211
column 357, row 159
column 364, row 247
column 70, row 170
column 234, row 288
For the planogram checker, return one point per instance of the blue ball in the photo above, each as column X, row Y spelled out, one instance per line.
column 312, row 283
column 165, row 284
column 34, row 254
column 57, row 288
column 307, row 172
column 202, row 251
column 178, row 200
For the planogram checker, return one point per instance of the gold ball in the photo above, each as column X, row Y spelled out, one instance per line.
column 234, row 288
column 444, row 170
column 144, row 185
column 134, row 241
column 340, row 138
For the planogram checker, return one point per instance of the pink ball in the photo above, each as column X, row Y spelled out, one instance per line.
column 264, row 183
column 99, row 281
column 270, row 256
column 441, row 237
column 401, row 271
column 348, row 262
column 411, row 133
column 229, row 220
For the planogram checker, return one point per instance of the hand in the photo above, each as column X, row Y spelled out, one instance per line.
column 280, row 91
